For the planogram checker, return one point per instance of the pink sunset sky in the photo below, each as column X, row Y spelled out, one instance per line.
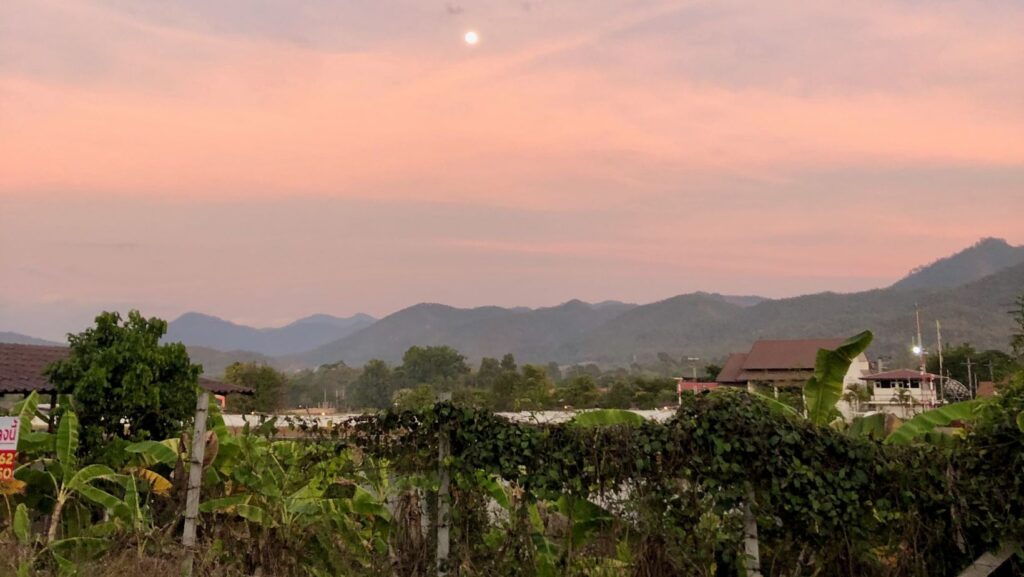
column 262, row 161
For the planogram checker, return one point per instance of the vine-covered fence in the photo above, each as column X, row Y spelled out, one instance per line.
column 626, row 496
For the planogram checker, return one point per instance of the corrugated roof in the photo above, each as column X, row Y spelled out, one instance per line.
column 22, row 367
column 732, row 369
column 790, row 354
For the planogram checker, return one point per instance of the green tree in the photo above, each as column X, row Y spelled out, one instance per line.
column 1017, row 340
column 327, row 382
column 506, row 390
column 985, row 365
column 488, row 373
column 620, row 395
column 268, row 383
column 374, row 387
column 711, row 371
column 554, row 371
column 508, row 362
column 580, row 392
column 536, row 390
column 125, row 384
column 420, row 397
column 442, row 366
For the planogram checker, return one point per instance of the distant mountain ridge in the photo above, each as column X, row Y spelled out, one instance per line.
column 20, row 339
column 201, row 330
column 708, row 325
column 969, row 292
column 986, row 257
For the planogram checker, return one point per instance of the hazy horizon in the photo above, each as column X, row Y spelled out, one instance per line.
column 264, row 162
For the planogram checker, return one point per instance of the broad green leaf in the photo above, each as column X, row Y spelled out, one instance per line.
column 105, row 500
column 154, row 452
column 25, row 410
column 131, row 501
column 825, row 388
column 91, row 473
column 67, row 443
column 604, row 417
column 871, row 426
column 1020, row 421
column 224, row 503
column 927, row 421
column 363, row 502
column 777, row 405
column 35, row 442
column 255, row 514
column 492, row 485
column 21, row 525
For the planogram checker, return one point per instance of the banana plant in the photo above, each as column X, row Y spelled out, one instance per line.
column 69, row 480
column 926, row 422
column 824, row 389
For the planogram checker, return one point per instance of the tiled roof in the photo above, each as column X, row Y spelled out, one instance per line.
column 791, row 354
column 732, row 369
column 22, row 366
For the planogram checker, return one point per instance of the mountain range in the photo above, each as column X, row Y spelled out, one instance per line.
column 200, row 330
column 970, row 292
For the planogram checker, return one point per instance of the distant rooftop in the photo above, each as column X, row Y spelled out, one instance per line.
column 22, row 368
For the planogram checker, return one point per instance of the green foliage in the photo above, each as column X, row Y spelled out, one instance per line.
column 328, row 383
column 606, row 417
column 374, row 387
column 870, row 426
column 414, row 399
column 125, row 383
column 443, row 367
column 1017, row 340
column 825, row 388
column 267, row 382
column 927, row 421
column 580, row 391
column 987, row 365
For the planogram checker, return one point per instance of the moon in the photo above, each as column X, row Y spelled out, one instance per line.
column 471, row 38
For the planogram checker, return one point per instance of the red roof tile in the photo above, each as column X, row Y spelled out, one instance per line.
column 732, row 369
column 791, row 354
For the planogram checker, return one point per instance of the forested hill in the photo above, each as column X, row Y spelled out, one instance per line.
column 988, row 256
column 696, row 324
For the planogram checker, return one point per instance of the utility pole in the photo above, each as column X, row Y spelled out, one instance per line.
column 970, row 378
column 938, row 339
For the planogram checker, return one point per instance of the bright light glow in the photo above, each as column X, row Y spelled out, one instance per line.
column 918, row 350
column 472, row 37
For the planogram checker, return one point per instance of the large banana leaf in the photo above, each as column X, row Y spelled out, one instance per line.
column 154, row 452
column 776, row 405
column 224, row 503
column 67, row 444
column 255, row 514
column 871, row 426
column 604, row 417
column 90, row 473
column 825, row 388
column 927, row 421
column 21, row 526
column 25, row 410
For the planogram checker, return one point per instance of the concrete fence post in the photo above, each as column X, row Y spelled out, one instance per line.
column 195, row 481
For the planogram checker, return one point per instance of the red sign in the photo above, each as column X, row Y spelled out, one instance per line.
column 8, row 446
